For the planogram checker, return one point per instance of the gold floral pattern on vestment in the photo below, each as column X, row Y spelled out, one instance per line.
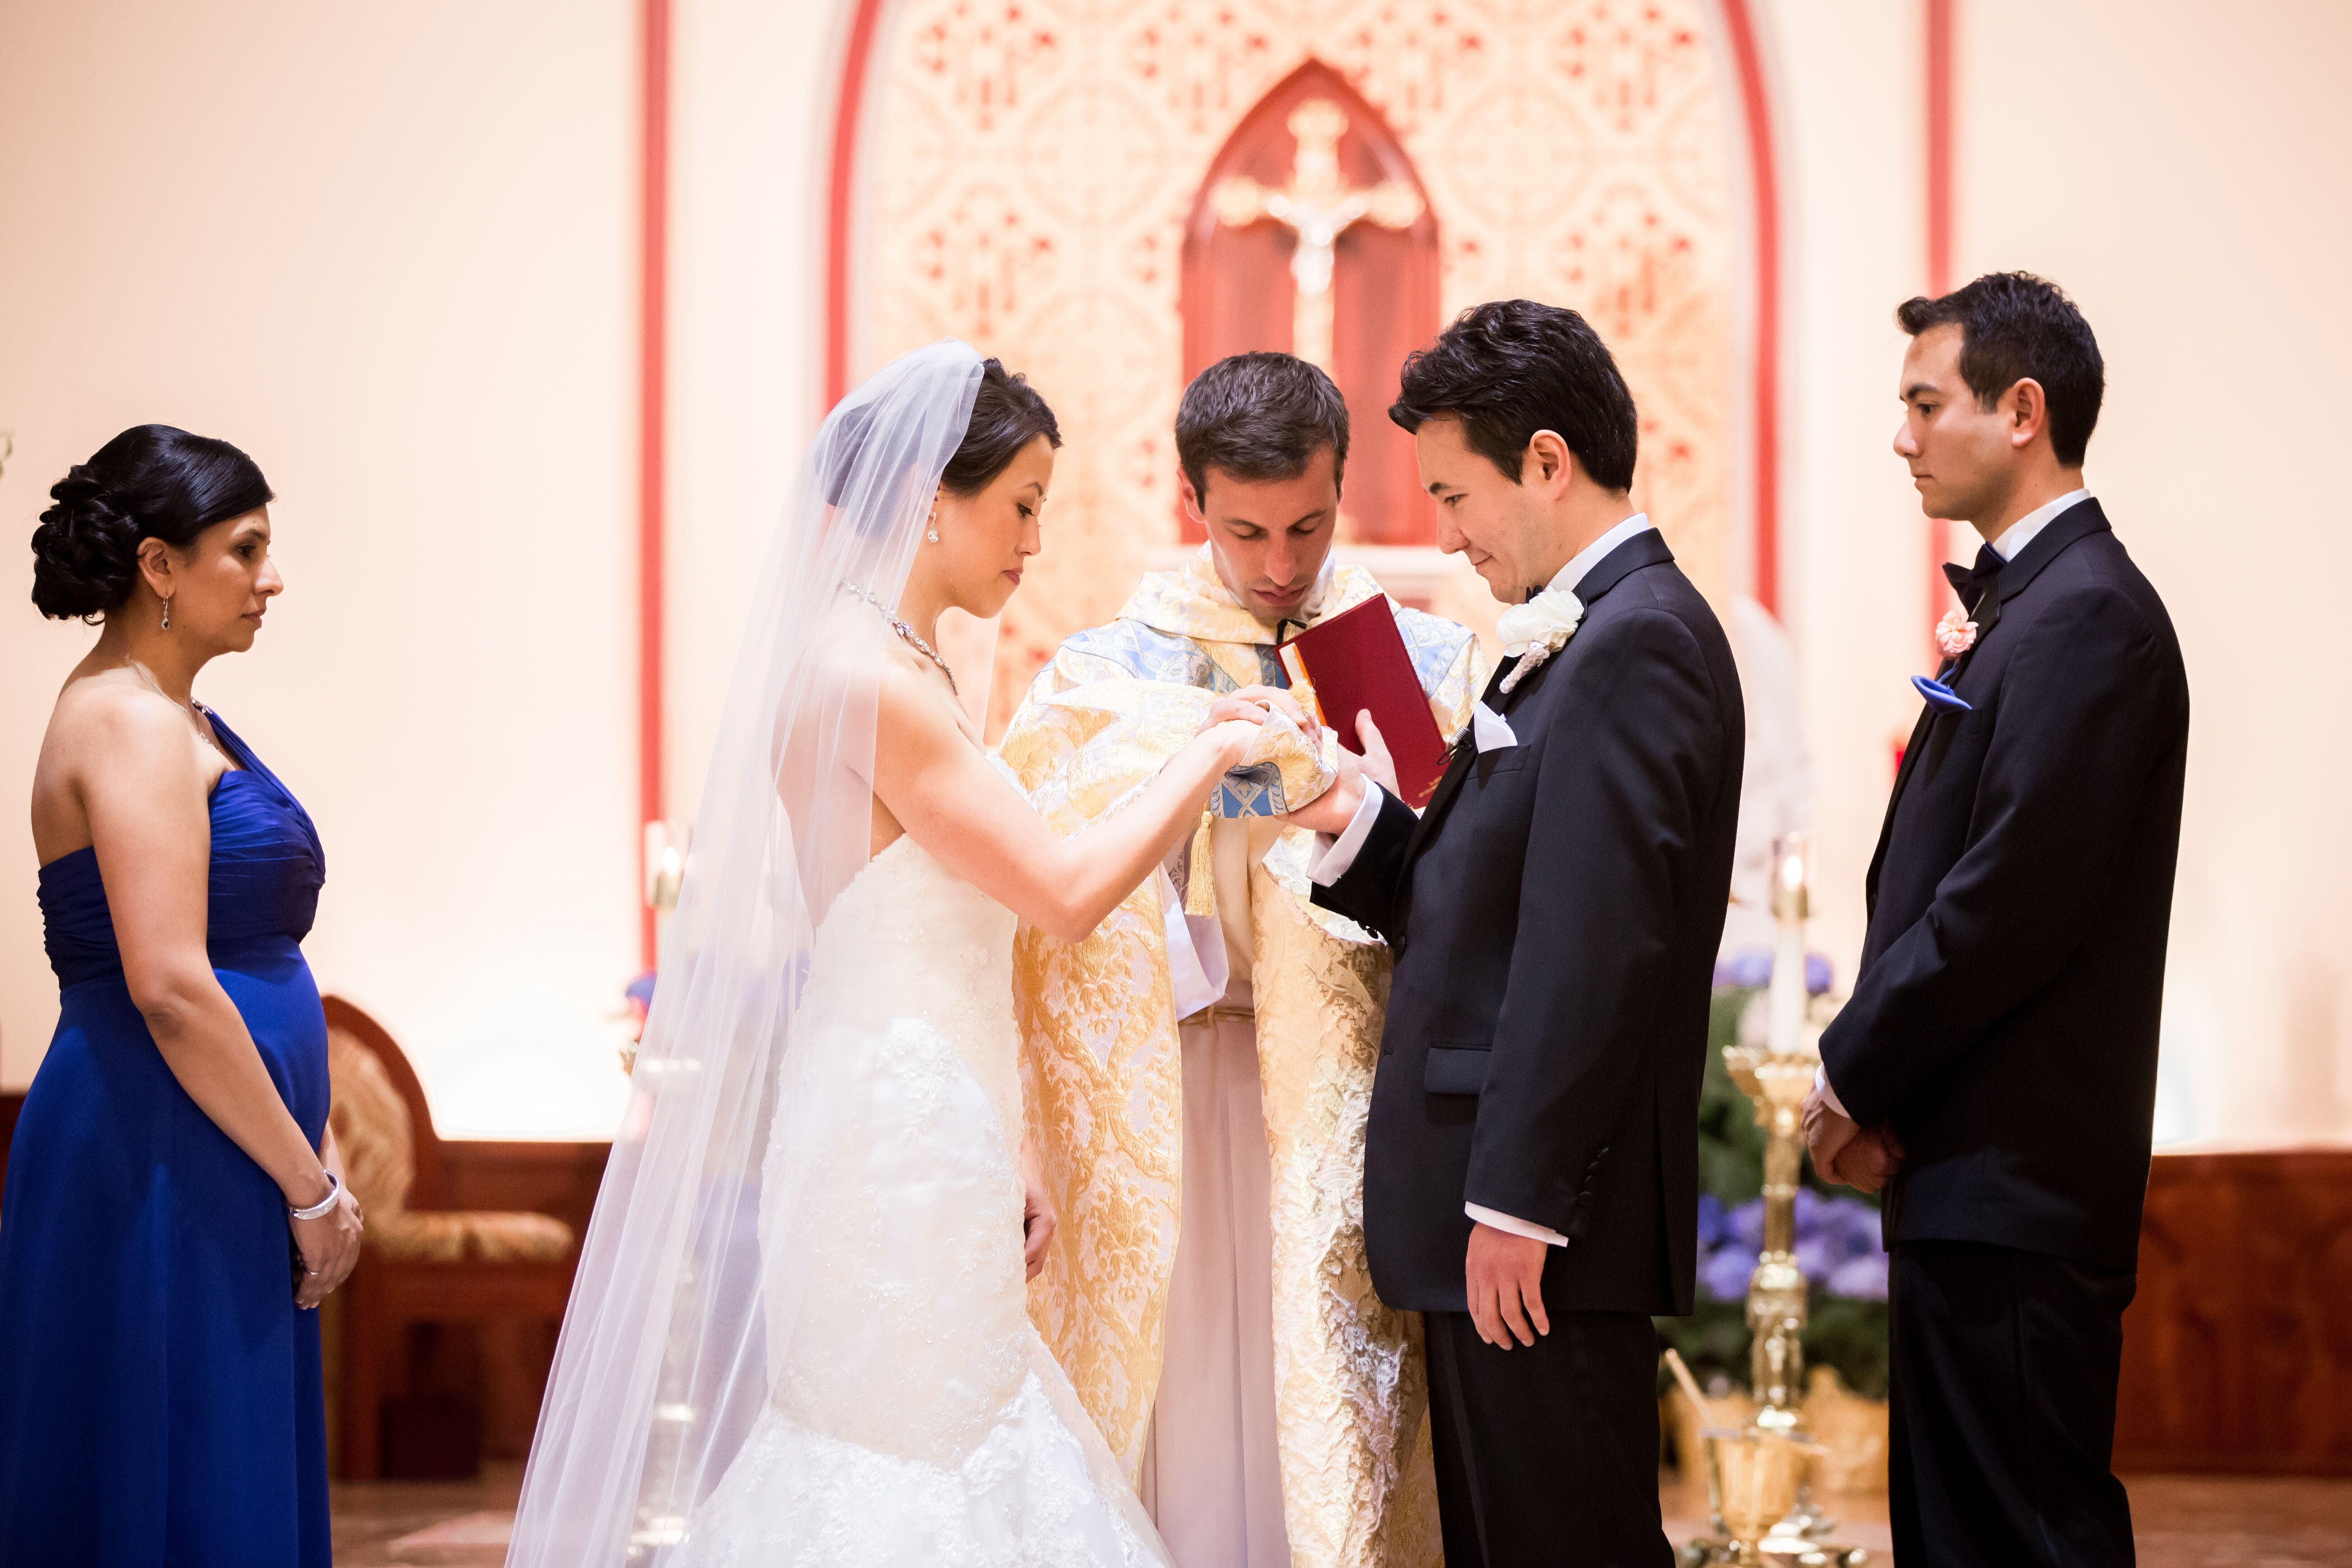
column 1102, row 1075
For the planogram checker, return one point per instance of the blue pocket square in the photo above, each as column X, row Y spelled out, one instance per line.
column 1939, row 694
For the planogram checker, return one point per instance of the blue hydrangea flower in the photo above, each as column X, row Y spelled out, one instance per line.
column 1723, row 1273
column 1859, row 1278
column 1714, row 1228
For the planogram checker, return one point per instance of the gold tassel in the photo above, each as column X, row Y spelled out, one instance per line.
column 1201, row 883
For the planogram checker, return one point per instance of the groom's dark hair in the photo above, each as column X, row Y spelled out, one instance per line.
column 1259, row 417
column 2016, row 327
column 1511, row 368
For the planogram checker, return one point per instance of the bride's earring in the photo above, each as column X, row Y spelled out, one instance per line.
column 934, row 535
column 167, row 608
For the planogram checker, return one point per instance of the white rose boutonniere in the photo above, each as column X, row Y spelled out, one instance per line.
column 1538, row 629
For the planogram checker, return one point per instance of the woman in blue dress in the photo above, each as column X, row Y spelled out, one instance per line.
column 173, row 1211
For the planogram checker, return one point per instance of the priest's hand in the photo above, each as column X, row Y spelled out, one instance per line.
column 1037, row 1221
column 1504, row 1275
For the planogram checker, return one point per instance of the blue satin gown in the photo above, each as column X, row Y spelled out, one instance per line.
column 160, row 1397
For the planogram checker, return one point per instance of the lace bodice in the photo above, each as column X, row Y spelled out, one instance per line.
column 906, row 939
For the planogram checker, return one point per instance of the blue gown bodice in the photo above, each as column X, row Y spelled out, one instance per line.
column 266, row 869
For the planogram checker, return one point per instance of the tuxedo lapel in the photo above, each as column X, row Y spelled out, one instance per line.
column 1911, row 749
column 1647, row 548
column 1466, row 756
column 2070, row 527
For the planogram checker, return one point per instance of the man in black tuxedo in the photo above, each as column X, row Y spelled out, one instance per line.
column 1531, row 1165
column 1998, row 1059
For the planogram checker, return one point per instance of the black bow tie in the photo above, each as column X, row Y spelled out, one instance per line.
column 1971, row 583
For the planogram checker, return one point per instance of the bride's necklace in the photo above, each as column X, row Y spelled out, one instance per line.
column 905, row 633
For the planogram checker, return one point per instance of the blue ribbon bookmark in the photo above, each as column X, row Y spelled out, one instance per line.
column 1939, row 694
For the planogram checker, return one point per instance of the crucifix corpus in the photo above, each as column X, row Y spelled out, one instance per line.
column 1316, row 206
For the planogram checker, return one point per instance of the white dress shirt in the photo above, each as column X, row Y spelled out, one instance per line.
column 2019, row 535
column 1333, row 855
column 2013, row 540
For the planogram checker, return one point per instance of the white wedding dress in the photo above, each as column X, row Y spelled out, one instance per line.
column 915, row 1416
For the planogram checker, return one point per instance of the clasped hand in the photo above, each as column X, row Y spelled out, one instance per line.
column 1846, row 1153
column 330, row 1246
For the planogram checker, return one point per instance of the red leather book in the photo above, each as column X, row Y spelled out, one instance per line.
column 1356, row 662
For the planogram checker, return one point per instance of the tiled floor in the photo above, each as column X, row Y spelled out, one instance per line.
column 2182, row 1522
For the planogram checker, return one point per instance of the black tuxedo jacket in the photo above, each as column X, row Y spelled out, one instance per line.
column 2005, row 1015
column 1555, row 914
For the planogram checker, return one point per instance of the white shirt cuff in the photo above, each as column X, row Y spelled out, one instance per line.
column 1526, row 1227
column 1333, row 855
column 1821, row 1083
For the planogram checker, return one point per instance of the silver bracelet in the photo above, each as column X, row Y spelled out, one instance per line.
column 334, row 1190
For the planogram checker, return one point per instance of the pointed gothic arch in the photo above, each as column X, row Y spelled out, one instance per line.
column 1380, row 300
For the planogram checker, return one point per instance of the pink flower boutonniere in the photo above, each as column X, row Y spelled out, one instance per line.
column 1955, row 634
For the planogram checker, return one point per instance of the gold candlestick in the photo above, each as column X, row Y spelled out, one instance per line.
column 1758, row 1488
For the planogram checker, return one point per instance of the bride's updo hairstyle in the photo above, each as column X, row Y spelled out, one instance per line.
column 153, row 481
column 1006, row 416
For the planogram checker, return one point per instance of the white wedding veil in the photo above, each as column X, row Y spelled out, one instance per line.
column 664, row 1359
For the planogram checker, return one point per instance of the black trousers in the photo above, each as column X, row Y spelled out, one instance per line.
column 1547, row 1454
column 2004, row 1409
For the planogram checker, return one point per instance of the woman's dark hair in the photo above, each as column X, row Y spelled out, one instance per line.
column 153, row 481
column 1006, row 416
column 1509, row 369
column 2016, row 327
column 1259, row 417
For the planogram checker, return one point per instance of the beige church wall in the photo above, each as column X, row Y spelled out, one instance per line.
column 2184, row 173
column 389, row 251
column 752, row 99
column 2182, row 180
column 1848, row 87
column 1032, row 166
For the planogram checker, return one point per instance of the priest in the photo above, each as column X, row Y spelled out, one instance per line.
column 1197, row 1072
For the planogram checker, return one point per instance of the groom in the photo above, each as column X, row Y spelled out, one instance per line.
column 1531, row 1172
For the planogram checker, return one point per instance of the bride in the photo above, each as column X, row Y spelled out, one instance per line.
column 798, row 1333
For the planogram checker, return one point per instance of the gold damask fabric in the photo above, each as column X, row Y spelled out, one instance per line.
column 1104, row 1087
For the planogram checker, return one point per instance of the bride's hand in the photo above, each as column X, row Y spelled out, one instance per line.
column 1254, row 702
column 1037, row 1221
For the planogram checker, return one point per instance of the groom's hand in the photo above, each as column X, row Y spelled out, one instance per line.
column 1505, row 1273
column 1378, row 766
column 1331, row 811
